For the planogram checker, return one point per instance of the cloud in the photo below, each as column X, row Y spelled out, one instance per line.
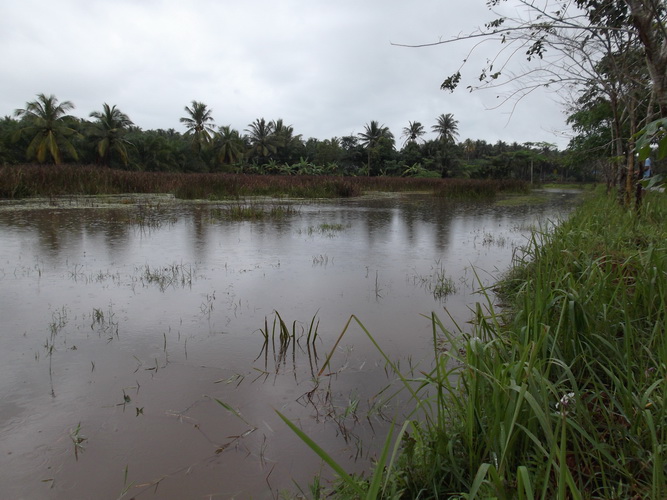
column 325, row 68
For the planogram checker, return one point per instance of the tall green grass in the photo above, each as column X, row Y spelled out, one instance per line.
column 560, row 396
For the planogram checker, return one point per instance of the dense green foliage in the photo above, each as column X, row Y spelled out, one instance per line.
column 607, row 60
column 45, row 133
column 562, row 395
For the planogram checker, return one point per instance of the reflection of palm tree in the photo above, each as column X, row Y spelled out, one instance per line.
column 262, row 140
column 199, row 124
column 229, row 145
column 372, row 136
column 413, row 132
column 109, row 129
column 44, row 119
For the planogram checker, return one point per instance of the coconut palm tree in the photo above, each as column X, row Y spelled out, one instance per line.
column 263, row 142
column 287, row 144
column 229, row 145
column 469, row 148
column 111, row 125
column 413, row 132
column 45, row 120
column 447, row 128
column 199, row 124
column 372, row 137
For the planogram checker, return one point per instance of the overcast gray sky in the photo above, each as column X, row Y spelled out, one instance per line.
column 326, row 68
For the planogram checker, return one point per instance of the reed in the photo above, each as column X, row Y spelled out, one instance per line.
column 25, row 181
column 282, row 337
column 253, row 212
column 58, row 323
column 78, row 440
column 173, row 275
column 561, row 396
column 437, row 283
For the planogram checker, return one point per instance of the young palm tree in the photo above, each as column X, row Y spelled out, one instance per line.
column 111, row 125
column 413, row 132
column 199, row 124
column 371, row 137
column 44, row 120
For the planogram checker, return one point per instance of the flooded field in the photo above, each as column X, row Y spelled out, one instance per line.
column 141, row 353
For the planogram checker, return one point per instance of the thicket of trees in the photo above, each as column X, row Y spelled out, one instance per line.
column 44, row 132
column 608, row 60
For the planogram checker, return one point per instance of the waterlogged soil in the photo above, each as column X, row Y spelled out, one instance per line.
column 140, row 347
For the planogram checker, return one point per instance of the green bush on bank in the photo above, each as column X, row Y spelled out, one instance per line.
column 563, row 394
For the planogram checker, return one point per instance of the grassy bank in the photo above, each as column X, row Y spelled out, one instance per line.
column 28, row 181
column 560, row 396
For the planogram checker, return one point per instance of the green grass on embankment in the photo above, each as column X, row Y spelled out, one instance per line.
column 560, row 396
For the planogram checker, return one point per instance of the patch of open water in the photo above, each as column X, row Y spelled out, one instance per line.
column 140, row 326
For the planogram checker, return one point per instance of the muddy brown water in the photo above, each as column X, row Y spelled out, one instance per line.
column 132, row 362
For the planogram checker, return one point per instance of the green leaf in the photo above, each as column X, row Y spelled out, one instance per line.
column 324, row 456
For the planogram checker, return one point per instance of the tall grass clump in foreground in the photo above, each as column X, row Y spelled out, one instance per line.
column 560, row 396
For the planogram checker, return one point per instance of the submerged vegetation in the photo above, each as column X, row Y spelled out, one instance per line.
column 562, row 395
column 437, row 282
column 253, row 212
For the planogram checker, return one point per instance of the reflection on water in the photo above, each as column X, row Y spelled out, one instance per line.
column 146, row 325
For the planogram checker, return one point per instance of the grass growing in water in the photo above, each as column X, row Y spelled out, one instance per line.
column 563, row 396
column 173, row 275
column 287, row 337
column 253, row 212
column 437, row 282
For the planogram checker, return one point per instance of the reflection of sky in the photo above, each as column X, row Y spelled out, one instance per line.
column 379, row 265
column 78, row 261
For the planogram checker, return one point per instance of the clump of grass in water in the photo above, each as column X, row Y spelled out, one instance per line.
column 566, row 398
column 173, row 275
column 253, row 212
column 286, row 337
column 437, row 282
column 77, row 440
column 325, row 227
column 59, row 322
column 104, row 323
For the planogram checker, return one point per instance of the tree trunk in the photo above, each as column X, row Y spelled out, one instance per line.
column 645, row 16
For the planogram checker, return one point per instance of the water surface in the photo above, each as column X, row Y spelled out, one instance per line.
column 133, row 323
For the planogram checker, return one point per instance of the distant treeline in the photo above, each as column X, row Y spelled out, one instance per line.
column 45, row 132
